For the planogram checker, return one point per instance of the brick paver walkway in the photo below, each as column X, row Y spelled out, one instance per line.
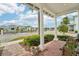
column 15, row 50
column 53, row 49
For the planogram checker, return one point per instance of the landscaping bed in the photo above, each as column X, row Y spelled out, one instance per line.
column 32, row 42
column 69, row 48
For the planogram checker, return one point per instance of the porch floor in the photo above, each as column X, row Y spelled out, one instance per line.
column 52, row 49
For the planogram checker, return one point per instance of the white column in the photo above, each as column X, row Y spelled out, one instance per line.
column 39, row 22
column 41, row 30
column 1, row 32
column 78, row 21
column 55, row 36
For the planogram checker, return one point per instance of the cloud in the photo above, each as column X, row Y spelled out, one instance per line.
column 48, row 21
column 48, row 17
column 30, row 18
column 1, row 12
column 11, row 8
column 7, row 22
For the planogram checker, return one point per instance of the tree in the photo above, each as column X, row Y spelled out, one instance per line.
column 65, row 20
column 64, row 25
column 63, row 28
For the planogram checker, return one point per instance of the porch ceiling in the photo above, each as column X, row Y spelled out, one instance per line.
column 58, row 8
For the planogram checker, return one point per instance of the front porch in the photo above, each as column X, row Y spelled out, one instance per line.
column 53, row 47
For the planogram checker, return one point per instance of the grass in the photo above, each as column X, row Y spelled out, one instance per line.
column 20, row 42
column 19, row 38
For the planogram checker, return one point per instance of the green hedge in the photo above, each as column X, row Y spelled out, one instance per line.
column 34, row 40
column 63, row 37
column 48, row 37
column 25, row 41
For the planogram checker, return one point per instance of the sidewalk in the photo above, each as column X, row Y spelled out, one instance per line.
column 14, row 49
column 9, row 43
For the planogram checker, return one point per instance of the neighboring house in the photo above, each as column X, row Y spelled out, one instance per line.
column 4, row 28
column 16, row 28
column 11, row 28
column 73, row 25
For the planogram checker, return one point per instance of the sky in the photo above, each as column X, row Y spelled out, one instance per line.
column 19, row 14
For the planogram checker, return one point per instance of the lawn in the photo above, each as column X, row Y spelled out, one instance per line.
column 19, row 38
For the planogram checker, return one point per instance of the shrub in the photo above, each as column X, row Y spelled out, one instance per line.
column 71, row 42
column 76, row 31
column 48, row 37
column 32, row 40
column 70, row 46
column 63, row 37
column 25, row 41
